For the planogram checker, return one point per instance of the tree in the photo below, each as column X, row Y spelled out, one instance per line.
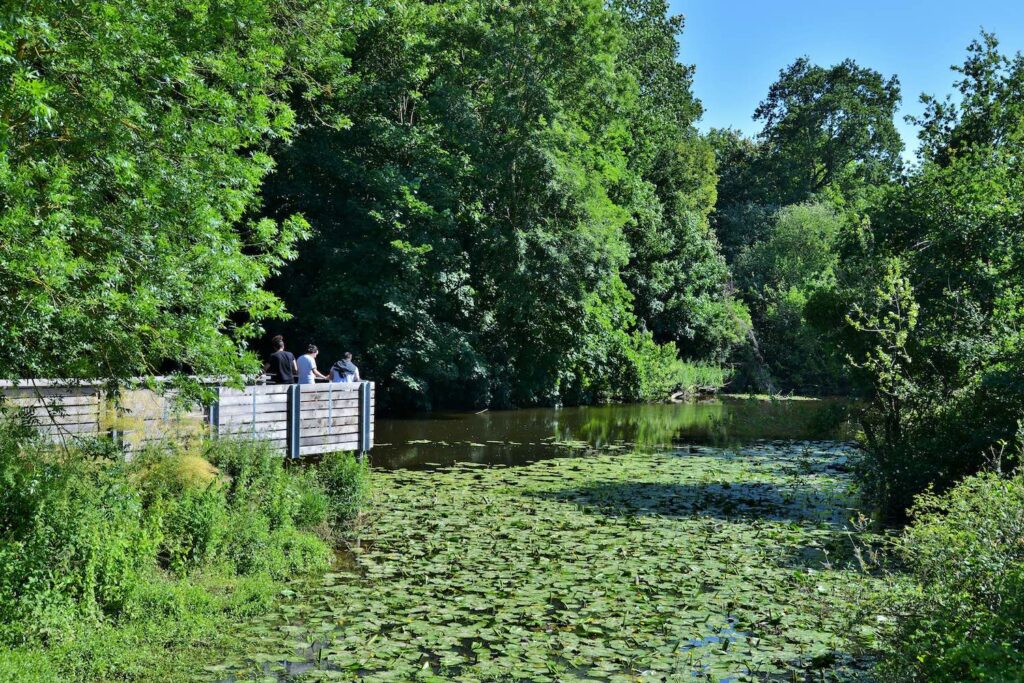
column 676, row 272
column 829, row 125
column 955, row 229
column 133, row 146
column 827, row 145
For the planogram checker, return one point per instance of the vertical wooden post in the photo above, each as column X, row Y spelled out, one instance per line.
column 215, row 415
column 294, row 420
column 364, row 419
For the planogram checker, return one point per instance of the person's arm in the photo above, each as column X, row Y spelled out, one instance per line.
column 317, row 373
column 356, row 378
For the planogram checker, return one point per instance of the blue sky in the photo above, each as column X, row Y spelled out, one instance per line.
column 739, row 46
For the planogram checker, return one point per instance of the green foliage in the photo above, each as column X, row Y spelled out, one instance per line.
column 75, row 537
column 795, row 258
column 519, row 182
column 346, row 483
column 825, row 126
column 828, row 142
column 961, row 611
column 929, row 303
column 608, row 560
column 89, row 543
column 134, row 144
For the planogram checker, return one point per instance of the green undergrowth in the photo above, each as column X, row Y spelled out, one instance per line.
column 697, row 564
column 134, row 571
column 695, row 378
column 958, row 606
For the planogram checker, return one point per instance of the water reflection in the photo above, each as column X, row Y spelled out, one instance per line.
column 517, row 436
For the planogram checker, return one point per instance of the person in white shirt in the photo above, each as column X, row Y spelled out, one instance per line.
column 308, row 374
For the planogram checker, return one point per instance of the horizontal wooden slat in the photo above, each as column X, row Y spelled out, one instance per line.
column 259, row 417
column 338, row 412
column 348, row 430
column 74, row 428
column 247, row 422
column 328, row 438
column 91, row 401
column 81, row 428
column 325, row 387
column 26, row 390
column 329, row 422
column 259, row 390
column 271, row 409
column 329, row 448
column 336, row 404
column 158, row 412
column 261, row 433
column 57, row 411
column 261, row 399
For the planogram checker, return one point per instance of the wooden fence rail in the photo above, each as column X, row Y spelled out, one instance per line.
column 298, row 419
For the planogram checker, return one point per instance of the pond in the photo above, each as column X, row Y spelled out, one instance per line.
column 630, row 543
column 515, row 437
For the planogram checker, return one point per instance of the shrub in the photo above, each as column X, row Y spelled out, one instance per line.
column 193, row 526
column 75, row 533
column 961, row 617
column 313, row 504
column 347, row 483
column 27, row 666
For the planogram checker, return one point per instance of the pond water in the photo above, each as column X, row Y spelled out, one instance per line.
column 514, row 437
column 704, row 542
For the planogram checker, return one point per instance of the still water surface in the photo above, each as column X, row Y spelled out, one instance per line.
column 514, row 437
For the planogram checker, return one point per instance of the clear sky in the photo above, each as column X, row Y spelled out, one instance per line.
column 738, row 46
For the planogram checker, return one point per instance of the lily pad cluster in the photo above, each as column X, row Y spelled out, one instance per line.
column 688, row 564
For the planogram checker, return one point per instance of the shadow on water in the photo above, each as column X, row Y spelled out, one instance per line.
column 515, row 437
column 725, row 500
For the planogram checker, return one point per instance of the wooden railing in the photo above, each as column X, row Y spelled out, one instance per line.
column 298, row 419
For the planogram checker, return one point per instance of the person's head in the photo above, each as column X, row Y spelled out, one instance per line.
column 278, row 342
column 312, row 350
column 347, row 355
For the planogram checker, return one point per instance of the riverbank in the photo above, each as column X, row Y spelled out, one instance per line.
column 137, row 571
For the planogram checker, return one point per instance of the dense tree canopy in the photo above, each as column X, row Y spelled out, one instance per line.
column 133, row 144
column 827, row 147
column 930, row 289
column 516, row 176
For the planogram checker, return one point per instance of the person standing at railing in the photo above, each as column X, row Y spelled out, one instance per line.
column 345, row 370
column 281, row 367
column 308, row 374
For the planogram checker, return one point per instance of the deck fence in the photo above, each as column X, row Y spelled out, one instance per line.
column 298, row 419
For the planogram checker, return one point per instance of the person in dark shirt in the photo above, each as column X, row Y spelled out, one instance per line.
column 282, row 366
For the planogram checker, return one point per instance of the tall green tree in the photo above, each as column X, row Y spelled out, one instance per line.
column 828, row 146
column 133, row 143
column 676, row 272
column 466, row 243
column 940, row 342
column 825, row 126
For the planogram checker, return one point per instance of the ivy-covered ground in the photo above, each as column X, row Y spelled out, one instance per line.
column 689, row 564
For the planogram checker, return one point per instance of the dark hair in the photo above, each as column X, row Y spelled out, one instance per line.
column 312, row 348
column 347, row 355
column 278, row 342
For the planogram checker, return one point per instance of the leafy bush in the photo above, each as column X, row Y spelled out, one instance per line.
column 961, row 617
column 94, row 550
column 347, row 483
column 75, row 535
